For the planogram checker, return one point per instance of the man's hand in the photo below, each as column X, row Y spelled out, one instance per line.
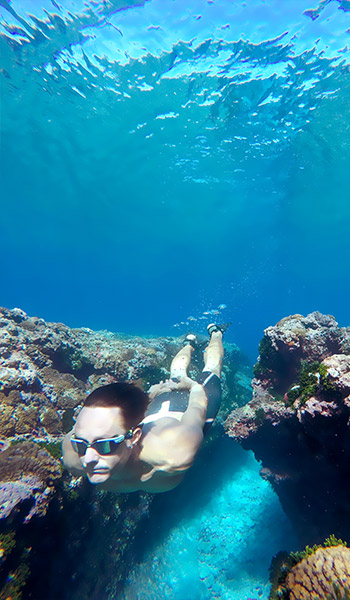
column 159, row 388
column 171, row 385
column 185, row 383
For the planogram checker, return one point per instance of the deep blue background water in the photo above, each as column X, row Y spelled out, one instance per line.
column 160, row 158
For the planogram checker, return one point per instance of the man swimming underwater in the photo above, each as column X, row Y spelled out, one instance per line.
column 126, row 440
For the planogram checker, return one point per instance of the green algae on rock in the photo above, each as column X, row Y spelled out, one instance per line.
column 314, row 379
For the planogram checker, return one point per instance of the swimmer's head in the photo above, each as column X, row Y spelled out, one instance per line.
column 130, row 399
column 110, row 414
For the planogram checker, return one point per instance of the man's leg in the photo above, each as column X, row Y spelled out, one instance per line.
column 210, row 378
column 181, row 361
column 214, row 353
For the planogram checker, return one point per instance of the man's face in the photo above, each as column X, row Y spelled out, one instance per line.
column 96, row 423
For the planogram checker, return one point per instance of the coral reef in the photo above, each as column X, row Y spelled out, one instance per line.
column 318, row 573
column 325, row 574
column 297, row 422
column 61, row 537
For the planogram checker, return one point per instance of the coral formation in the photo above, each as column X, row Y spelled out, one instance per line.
column 318, row 573
column 325, row 574
column 297, row 421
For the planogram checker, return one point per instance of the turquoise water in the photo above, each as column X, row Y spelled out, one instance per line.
column 160, row 159
column 228, row 526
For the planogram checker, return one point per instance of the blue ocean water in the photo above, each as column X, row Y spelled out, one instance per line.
column 159, row 158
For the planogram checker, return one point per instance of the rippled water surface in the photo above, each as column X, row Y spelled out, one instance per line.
column 159, row 158
column 165, row 164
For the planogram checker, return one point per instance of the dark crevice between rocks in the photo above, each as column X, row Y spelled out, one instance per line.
column 67, row 420
column 151, row 375
column 73, row 363
column 78, row 549
column 307, row 469
column 281, row 370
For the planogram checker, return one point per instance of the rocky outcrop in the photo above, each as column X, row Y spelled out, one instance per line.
column 59, row 536
column 324, row 574
column 297, row 423
column 51, row 523
column 46, row 371
column 317, row 573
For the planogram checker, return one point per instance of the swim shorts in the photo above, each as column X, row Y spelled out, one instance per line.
column 177, row 401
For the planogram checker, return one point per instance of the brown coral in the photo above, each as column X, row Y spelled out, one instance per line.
column 27, row 419
column 28, row 458
column 7, row 422
column 51, row 421
column 324, row 574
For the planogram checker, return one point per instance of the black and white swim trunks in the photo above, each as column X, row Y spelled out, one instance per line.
column 174, row 404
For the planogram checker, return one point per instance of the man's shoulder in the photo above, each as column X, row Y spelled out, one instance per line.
column 169, row 446
column 159, row 432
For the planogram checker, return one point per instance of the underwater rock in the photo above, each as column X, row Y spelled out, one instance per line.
column 318, row 572
column 47, row 369
column 324, row 574
column 63, row 530
column 13, row 493
column 293, row 339
column 297, row 423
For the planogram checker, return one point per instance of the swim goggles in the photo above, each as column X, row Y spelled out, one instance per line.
column 105, row 446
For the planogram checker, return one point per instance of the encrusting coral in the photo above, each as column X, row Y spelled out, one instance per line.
column 325, row 574
column 318, row 573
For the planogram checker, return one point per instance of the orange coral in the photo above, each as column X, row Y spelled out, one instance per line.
column 324, row 574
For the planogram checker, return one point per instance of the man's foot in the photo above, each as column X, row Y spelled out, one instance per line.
column 213, row 327
column 190, row 340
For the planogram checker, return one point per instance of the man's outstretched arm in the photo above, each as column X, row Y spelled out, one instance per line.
column 70, row 458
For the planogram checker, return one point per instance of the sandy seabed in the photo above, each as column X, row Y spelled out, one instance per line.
column 223, row 551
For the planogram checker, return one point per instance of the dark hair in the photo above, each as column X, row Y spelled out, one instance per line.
column 127, row 396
